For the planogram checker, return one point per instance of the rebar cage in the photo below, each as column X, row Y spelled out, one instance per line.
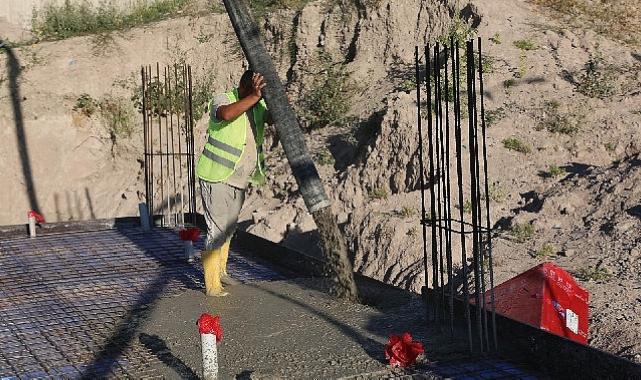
column 168, row 123
column 441, row 78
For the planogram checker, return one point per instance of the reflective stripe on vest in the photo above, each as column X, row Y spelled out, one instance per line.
column 216, row 158
column 224, row 147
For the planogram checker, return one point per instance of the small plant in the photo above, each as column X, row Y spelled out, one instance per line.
column 467, row 207
column 412, row 232
column 217, row 7
column 555, row 171
column 407, row 212
column 494, row 116
column 377, row 193
column 522, row 69
column 508, row 83
column 496, row 38
column 118, row 116
column 408, row 85
column 522, row 232
column 610, row 146
column 513, row 143
column 555, row 121
column 525, row 45
column 546, row 251
column 86, row 105
column 598, row 79
column 327, row 101
column 325, row 158
column 496, row 192
column 597, row 274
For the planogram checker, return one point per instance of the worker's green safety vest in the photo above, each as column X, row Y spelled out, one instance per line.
column 226, row 142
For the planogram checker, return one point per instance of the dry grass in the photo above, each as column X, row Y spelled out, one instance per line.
column 619, row 19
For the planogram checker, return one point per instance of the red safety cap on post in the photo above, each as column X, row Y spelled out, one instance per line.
column 402, row 351
column 189, row 234
column 208, row 324
column 38, row 217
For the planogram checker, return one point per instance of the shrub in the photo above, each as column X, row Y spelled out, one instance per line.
column 545, row 251
column 598, row 274
column 598, row 79
column 525, row 45
column 555, row 121
column 377, row 193
column 513, row 143
column 522, row 232
column 327, row 102
column 86, row 105
column 117, row 115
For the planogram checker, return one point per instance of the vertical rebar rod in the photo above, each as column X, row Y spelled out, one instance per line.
column 191, row 141
column 433, row 220
column 443, row 171
column 187, row 145
column 150, row 129
column 438, row 174
column 488, row 224
column 143, row 75
column 158, row 103
column 479, row 211
column 473, row 193
column 180, row 153
column 448, row 206
column 167, row 103
column 420, row 162
column 173, row 146
column 459, row 172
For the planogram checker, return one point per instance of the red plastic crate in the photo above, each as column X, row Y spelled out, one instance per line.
column 547, row 297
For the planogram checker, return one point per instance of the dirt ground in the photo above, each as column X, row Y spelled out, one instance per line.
column 568, row 92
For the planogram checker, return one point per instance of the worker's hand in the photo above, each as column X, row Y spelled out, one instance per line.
column 258, row 83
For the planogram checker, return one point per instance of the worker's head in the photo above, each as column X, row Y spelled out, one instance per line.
column 246, row 83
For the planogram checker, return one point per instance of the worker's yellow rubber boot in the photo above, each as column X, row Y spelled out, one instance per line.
column 211, row 266
column 225, row 256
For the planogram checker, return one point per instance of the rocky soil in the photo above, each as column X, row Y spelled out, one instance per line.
column 575, row 187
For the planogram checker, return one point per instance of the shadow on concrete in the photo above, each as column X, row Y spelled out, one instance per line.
column 109, row 353
column 74, row 207
column 15, row 69
column 159, row 348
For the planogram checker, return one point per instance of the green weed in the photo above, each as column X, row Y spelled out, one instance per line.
column 597, row 274
column 508, row 83
column 513, row 143
column 494, row 116
column 69, row 19
column 525, row 45
column 407, row 212
column 378, row 193
column 598, row 79
column 325, row 158
column 555, row 171
column 496, row 38
column 546, row 251
column 327, row 102
column 555, row 121
column 86, row 105
column 610, row 146
column 522, row 232
column 118, row 116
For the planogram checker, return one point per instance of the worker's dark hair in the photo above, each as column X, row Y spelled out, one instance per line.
column 246, row 79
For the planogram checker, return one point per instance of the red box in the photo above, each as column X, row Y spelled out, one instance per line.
column 547, row 297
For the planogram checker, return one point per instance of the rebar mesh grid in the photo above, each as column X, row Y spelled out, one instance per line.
column 65, row 299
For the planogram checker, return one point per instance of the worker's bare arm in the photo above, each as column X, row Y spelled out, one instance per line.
column 232, row 111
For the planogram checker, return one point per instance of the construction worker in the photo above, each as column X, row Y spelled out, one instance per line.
column 232, row 159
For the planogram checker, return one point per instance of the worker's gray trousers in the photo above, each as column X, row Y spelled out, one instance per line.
column 221, row 204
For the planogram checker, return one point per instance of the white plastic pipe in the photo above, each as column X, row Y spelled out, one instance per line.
column 188, row 247
column 210, row 356
column 32, row 226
